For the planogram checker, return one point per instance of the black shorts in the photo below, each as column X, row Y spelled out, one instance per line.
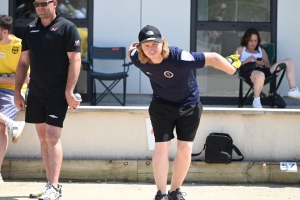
column 51, row 110
column 166, row 116
column 264, row 70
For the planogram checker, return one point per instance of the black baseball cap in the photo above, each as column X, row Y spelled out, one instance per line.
column 149, row 33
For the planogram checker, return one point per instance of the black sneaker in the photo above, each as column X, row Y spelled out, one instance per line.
column 176, row 195
column 160, row 196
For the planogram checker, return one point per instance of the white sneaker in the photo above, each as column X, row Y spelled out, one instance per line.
column 15, row 130
column 40, row 192
column 294, row 93
column 43, row 191
column 1, row 180
column 51, row 194
column 256, row 104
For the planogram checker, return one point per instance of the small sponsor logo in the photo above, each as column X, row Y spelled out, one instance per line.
column 34, row 31
column 15, row 49
column 53, row 116
column 2, row 55
column 54, row 28
column 148, row 73
column 168, row 74
column 77, row 43
column 32, row 25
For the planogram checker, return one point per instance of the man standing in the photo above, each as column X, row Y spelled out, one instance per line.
column 51, row 46
column 10, row 51
column 175, row 102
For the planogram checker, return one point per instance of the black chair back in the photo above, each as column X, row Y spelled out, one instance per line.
column 108, row 53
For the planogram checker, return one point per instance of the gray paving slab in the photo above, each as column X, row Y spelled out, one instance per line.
column 19, row 190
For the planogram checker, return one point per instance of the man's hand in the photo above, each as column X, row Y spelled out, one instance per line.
column 72, row 101
column 19, row 100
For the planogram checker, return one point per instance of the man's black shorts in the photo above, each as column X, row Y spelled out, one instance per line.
column 51, row 110
column 166, row 116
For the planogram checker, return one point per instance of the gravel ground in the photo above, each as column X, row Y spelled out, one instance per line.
column 19, row 190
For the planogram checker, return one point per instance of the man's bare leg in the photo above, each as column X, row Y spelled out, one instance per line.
column 51, row 151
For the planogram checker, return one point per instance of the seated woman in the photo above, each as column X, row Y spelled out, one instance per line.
column 249, row 52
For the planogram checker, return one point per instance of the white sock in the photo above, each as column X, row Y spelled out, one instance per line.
column 294, row 89
column 9, row 122
column 256, row 98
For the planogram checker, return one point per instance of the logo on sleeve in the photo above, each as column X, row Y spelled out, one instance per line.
column 15, row 49
column 77, row 43
column 168, row 74
column 187, row 56
column 53, row 28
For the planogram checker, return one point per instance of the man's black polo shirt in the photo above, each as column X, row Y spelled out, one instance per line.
column 49, row 62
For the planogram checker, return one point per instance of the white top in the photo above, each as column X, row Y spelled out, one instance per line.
column 246, row 54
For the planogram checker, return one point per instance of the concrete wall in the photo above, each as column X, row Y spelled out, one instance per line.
column 102, row 171
column 287, row 37
column 118, row 133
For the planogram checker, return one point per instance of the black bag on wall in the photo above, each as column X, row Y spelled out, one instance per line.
column 218, row 149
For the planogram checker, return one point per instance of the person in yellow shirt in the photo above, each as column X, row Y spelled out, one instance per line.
column 10, row 51
column 84, row 41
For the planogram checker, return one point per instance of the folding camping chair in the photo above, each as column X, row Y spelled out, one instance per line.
column 107, row 80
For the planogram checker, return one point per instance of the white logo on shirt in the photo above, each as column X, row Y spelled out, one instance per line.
column 54, row 28
column 77, row 43
column 148, row 73
column 53, row 116
column 187, row 56
column 2, row 55
column 34, row 31
column 133, row 52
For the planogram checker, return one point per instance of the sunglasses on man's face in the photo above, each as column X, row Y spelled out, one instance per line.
column 43, row 4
